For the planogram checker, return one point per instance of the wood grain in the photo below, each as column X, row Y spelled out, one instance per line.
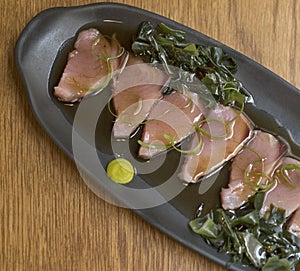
column 49, row 219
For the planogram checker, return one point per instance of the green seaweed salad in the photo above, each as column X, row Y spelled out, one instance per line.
column 209, row 71
column 250, row 238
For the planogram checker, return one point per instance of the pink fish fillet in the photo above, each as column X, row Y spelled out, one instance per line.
column 172, row 119
column 220, row 142
column 135, row 90
column 88, row 65
column 283, row 194
column 258, row 158
column 294, row 224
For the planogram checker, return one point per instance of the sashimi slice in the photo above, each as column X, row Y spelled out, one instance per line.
column 259, row 158
column 172, row 119
column 294, row 224
column 93, row 59
column 285, row 193
column 223, row 134
column 135, row 90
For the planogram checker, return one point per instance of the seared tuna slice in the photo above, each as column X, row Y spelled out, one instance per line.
column 223, row 134
column 171, row 120
column 136, row 89
column 294, row 224
column 88, row 65
column 251, row 167
column 285, row 194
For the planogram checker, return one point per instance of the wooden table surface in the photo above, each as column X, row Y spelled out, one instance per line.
column 49, row 219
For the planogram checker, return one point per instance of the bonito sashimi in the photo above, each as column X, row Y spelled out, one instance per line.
column 135, row 90
column 251, row 167
column 89, row 66
column 294, row 223
column 285, row 193
column 223, row 134
column 171, row 119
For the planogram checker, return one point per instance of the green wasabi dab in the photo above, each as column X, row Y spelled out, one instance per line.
column 120, row 171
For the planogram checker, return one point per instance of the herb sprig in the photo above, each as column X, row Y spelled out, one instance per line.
column 207, row 70
column 249, row 238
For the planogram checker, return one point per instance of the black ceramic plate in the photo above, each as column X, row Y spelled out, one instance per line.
column 41, row 54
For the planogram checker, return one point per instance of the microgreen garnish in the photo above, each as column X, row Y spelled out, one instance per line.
column 283, row 172
column 109, row 107
column 194, row 150
column 153, row 145
column 208, row 134
column 256, row 177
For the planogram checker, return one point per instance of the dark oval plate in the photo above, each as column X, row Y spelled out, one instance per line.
column 157, row 196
